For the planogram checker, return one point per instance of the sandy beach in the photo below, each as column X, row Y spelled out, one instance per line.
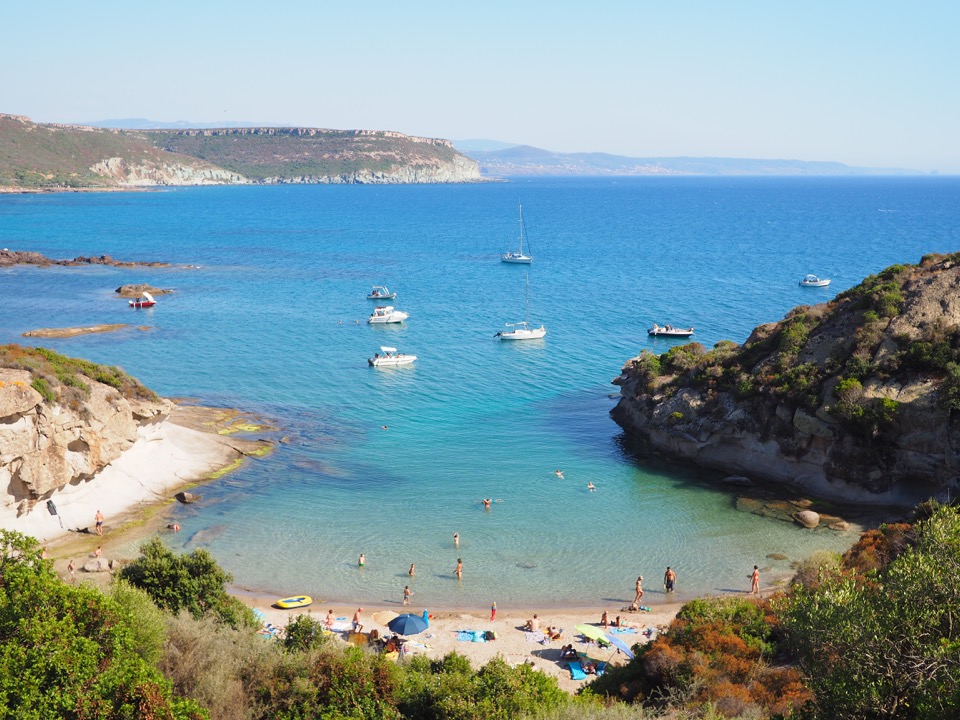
column 512, row 643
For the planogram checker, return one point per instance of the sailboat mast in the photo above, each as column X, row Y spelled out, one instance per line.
column 520, row 205
column 527, row 316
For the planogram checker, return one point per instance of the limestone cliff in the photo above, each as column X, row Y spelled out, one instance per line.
column 856, row 399
column 60, row 425
column 46, row 156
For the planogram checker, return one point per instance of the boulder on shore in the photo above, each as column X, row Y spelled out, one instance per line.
column 187, row 497
column 99, row 564
column 807, row 518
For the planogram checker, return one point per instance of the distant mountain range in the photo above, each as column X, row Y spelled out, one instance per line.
column 501, row 159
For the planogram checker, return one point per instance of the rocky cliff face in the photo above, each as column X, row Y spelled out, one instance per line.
column 853, row 400
column 47, row 444
column 151, row 173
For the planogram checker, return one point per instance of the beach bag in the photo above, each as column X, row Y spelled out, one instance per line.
column 491, row 635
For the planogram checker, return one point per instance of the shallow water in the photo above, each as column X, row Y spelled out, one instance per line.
column 266, row 321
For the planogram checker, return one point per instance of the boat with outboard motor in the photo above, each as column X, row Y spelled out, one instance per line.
column 669, row 331
column 390, row 358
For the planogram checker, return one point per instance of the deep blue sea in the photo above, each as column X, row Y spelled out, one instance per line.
column 270, row 282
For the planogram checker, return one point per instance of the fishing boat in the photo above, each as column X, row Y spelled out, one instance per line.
column 814, row 281
column 379, row 292
column 518, row 257
column 669, row 331
column 523, row 330
column 144, row 301
column 390, row 357
column 386, row 314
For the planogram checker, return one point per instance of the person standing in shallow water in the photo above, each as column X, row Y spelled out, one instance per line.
column 407, row 592
column 362, row 560
column 636, row 600
column 459, row 571
column 755, row 581
column 669, row 580
column 456, row 539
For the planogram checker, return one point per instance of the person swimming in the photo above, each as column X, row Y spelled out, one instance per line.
column 558, row 473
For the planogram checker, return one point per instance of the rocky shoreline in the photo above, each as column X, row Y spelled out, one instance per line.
column 851, row 401
column 9, row 258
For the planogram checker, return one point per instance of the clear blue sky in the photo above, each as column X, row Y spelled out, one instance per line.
column 871, row 83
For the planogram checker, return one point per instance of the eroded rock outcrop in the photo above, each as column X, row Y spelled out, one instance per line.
column 853, row 400
column 44, row 446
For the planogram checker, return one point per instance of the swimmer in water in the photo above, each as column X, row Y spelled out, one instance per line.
column 559, row 474
column 591, row 487
column 486, row 503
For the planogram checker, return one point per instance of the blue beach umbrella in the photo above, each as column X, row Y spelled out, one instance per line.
column 407, row 624
column 621, row 645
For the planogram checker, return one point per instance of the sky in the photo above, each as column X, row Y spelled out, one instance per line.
column 868, row 83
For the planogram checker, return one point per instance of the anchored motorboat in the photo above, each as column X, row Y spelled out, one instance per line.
column 386, row 314
column 389, row 357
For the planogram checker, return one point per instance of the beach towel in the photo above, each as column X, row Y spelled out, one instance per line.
column 536, row 637
column 576, row 670
column 623, row 631
column 259, row 614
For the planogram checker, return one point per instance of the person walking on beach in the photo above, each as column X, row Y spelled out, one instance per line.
column 755, row 581
column 636, row 600
column 72, row 569
column 493, row 612
column 407, row 593
column 669, row 579
column 99, row 519
column 410, row 572
column 362, row 560
column 357, row 627
column 459, row 571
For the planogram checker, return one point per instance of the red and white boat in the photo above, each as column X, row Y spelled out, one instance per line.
column 143, row 302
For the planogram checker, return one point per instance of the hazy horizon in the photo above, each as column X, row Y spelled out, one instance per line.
column 863, row 84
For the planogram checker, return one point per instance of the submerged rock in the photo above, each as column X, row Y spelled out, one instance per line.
column 807, row 518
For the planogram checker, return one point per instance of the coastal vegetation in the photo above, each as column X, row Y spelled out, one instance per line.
column 59, row 378
column 871, row 634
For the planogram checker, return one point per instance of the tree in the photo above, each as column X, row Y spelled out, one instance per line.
column 885, row 643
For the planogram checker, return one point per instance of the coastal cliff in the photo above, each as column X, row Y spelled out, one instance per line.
column 852, row 400
column 88, row 437
column 39, row 156
column 62, row 421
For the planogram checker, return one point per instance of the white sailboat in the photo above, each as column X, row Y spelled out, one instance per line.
column 518, row 257
column 523, row 330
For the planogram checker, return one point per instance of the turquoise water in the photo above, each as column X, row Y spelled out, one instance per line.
column 265, row 319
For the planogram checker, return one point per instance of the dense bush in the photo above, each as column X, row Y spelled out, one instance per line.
column 449, row 689
column 885, row 643
column 70, row 652
column 713, row 658
column 194, row 582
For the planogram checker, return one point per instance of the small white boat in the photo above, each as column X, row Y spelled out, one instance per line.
column 390, row 357
column 386, row 314
column 814, row 281
column 669, row 331
column 518, row 257
column 379, row 292
column 522, row 331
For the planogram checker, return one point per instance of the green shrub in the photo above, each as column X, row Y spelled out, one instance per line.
column 681, row 358
column 793, row 335
column 949, row 391
column 304, row 633
column 194, row 582
column 885, row 643
column 41, row 386
column 69, row 651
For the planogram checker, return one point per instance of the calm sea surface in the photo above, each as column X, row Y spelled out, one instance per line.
column 265, row 320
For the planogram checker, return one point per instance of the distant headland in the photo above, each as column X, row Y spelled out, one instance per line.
column 44, row 157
